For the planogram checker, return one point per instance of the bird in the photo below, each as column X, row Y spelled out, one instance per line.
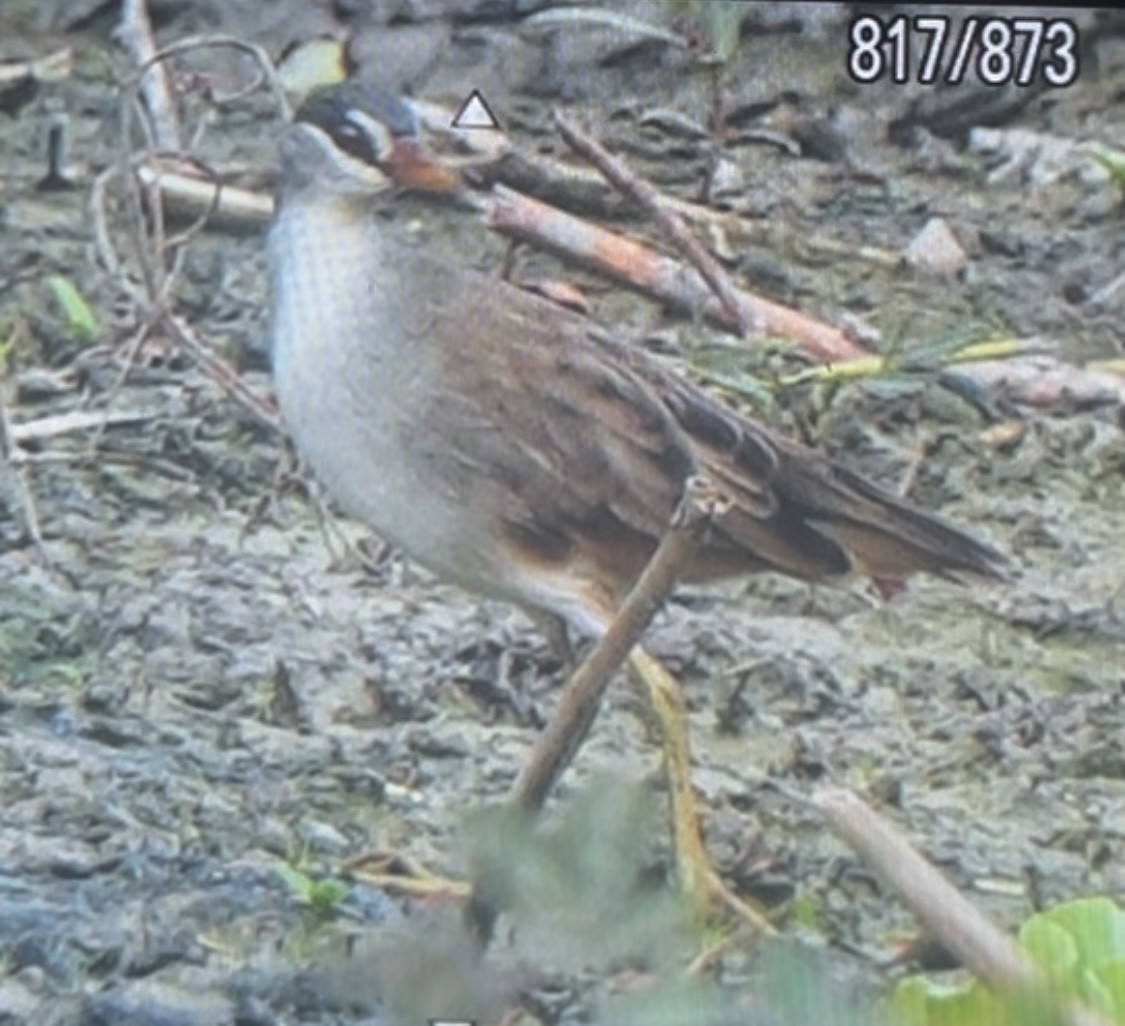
column 513, row 447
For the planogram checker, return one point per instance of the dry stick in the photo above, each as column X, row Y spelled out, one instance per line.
column 219, row 370
column 526, row 220
column 67, row 423
column 204, row 199
column 214, row 203
column 1043, row 380
column 135, row 34
column 9, row 461
column 154, row 310
column 156, row 304
column 1035, row 380
column 52, row 68
column 578, row 705
column 153, row 299
column 982, row 947
column 266, row 70
column 648, row 199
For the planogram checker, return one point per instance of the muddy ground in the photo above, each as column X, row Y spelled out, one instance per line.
column 198, row 689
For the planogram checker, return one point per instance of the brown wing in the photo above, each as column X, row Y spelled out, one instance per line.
column 807, row 515
column 584, row 448
column 594, row 441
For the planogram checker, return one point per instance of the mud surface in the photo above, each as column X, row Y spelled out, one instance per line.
column 198, row 690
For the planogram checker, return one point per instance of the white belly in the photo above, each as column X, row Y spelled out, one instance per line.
column 351, row 388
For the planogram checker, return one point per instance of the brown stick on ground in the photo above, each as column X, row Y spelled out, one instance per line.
column 654, row 275
column 578, row 705
column 219, row 370
column 188, row 195
column 982, row 947
column 135, row 35
column 648, row 199
column 1039, row 381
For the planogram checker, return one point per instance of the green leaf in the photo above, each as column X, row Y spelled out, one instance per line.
column 1111, row 978
column 806, row 912
column 300, row 883
column 724, row 22
column 1053, row 949
column 919, row 1001
column 1114, row 163
column 1079, row 946
column 317, row 62
column 326, row 894
column 320, row 895
column 80, row 319
column 1097, row 927
column 1093, row 992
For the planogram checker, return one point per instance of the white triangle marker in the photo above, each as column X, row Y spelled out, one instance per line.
column 475, row 113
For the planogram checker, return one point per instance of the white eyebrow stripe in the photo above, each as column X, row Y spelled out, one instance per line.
column 372, row 127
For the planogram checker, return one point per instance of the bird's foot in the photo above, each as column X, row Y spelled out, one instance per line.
column 711, row 896
column 396, row 873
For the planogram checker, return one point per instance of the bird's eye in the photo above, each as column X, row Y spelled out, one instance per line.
column 364, row 138
column 354, row 141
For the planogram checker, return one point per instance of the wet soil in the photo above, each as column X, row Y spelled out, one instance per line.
column 203, row 682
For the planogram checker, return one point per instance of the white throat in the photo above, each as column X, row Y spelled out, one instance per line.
column 347, row 378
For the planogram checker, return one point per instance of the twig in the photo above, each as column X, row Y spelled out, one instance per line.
column 210, row 202
column 66, row 423
column 135, row 35
column 578, row 705
column 1107, row 292
column 638, row 267
column 9, row 461
column 1044, row 380
column 495, row 159
column 1036, row 380
column 219, row 370
column 266, row 71
column 151, row 294
column 982, row 947
column 649, row 200
column 52, row 68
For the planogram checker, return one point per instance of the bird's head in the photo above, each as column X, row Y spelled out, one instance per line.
column 354, row 140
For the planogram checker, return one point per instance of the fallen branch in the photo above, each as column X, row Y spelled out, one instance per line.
column 578, row 704
column 221, row 372
column 648, row 199
column 134, row 32
column 642, row 269
column 1042, row 381
column 1035, row 380
column 142, row 183
column 581, row 696
column 187, row 195
column 68, row 423
column 982, row 947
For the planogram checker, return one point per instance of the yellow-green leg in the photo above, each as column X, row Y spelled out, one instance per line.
column 697, row 875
